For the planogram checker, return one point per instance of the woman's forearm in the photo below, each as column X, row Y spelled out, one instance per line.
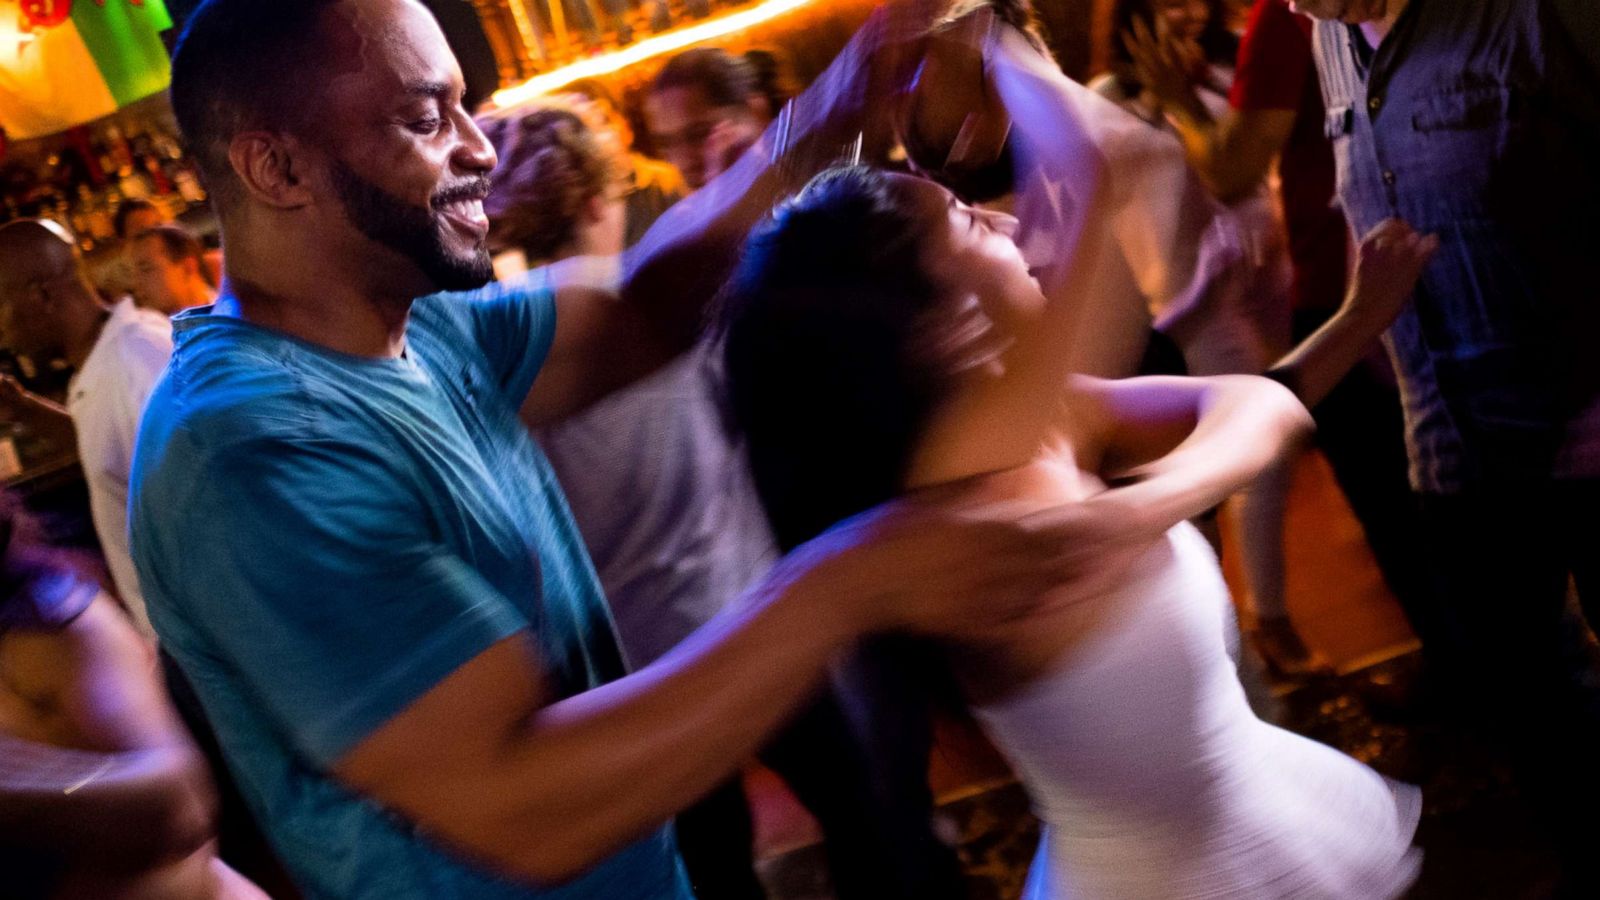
column 1390, row 259
column 1241, row 424
column 130, row 810
column 1314, row 367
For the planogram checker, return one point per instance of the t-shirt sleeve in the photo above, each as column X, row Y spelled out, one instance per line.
column 514, row 322
column 312, row 572
column 1274, row 59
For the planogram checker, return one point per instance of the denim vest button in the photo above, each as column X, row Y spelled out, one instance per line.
column 1388, row 178
column 1375, row 103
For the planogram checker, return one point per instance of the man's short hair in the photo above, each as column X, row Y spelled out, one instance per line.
column 125, row 211
column 243, row 64
column 178, row 244
column 724, row 79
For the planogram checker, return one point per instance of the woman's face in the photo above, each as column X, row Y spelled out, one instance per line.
column 1185, row 19
column 972, row 255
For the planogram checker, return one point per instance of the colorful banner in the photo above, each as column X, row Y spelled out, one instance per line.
column 66, row 62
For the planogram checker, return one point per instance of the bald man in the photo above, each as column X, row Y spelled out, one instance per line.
column 49, row 309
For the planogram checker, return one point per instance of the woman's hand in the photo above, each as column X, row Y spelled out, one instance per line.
column 1388, row 263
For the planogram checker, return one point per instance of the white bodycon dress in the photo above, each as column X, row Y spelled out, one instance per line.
column 1154, row 779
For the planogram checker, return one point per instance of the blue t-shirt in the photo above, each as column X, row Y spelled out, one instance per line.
column 323, row 538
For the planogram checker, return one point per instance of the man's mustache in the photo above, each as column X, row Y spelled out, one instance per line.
column 476, row 189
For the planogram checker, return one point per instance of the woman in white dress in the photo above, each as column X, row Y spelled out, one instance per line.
column 882, row 338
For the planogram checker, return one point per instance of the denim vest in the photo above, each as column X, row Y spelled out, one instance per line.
column 1476, row 120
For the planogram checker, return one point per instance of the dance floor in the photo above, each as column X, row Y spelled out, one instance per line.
column 1336, row 597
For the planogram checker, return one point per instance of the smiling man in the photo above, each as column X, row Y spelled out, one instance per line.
column 354, row 550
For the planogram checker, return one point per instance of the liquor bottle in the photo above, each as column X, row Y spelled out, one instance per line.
column 188, row 185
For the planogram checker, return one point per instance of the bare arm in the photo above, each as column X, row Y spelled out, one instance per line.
column 998, row 423
column 1182, row 445
column 106, row 770
column 18, row 403
column 602, row 342
column 1231, row 154
column 611, row 335
column 14, row 398
column 670, row 278
column 543, row 790
column 1170, row 448
column 130, row 811
column 1390, row 260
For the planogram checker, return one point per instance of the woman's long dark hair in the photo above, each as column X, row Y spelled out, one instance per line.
column 1220, row 45
column 828, row 375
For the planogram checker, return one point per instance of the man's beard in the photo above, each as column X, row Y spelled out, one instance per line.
column 412, row 231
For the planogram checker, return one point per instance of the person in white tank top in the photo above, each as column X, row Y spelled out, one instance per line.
column 881, row 339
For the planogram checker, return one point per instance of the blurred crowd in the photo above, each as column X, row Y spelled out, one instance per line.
column 507, row 481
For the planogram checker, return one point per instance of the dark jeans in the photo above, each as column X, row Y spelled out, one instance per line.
column 1506, row 651
column 857, row 758
column 1361, row 432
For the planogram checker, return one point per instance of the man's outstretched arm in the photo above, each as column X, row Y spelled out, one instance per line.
column 610, row 335
column 542, row 790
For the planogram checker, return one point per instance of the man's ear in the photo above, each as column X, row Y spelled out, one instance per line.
column 272, row 167
column 43, row 295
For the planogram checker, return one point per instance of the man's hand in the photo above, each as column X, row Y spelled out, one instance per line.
column 13, row 397
column 1096, row 543
column 945, row 569
column 1390, row 260
column 17, row 401
column 728, row 141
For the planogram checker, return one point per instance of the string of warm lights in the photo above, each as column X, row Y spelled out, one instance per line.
column 646, row 49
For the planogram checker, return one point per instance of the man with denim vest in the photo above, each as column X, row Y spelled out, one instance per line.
column 1478, row 121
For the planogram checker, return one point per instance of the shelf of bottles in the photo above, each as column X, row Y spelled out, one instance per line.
column 533, row 36
column 79, row 178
